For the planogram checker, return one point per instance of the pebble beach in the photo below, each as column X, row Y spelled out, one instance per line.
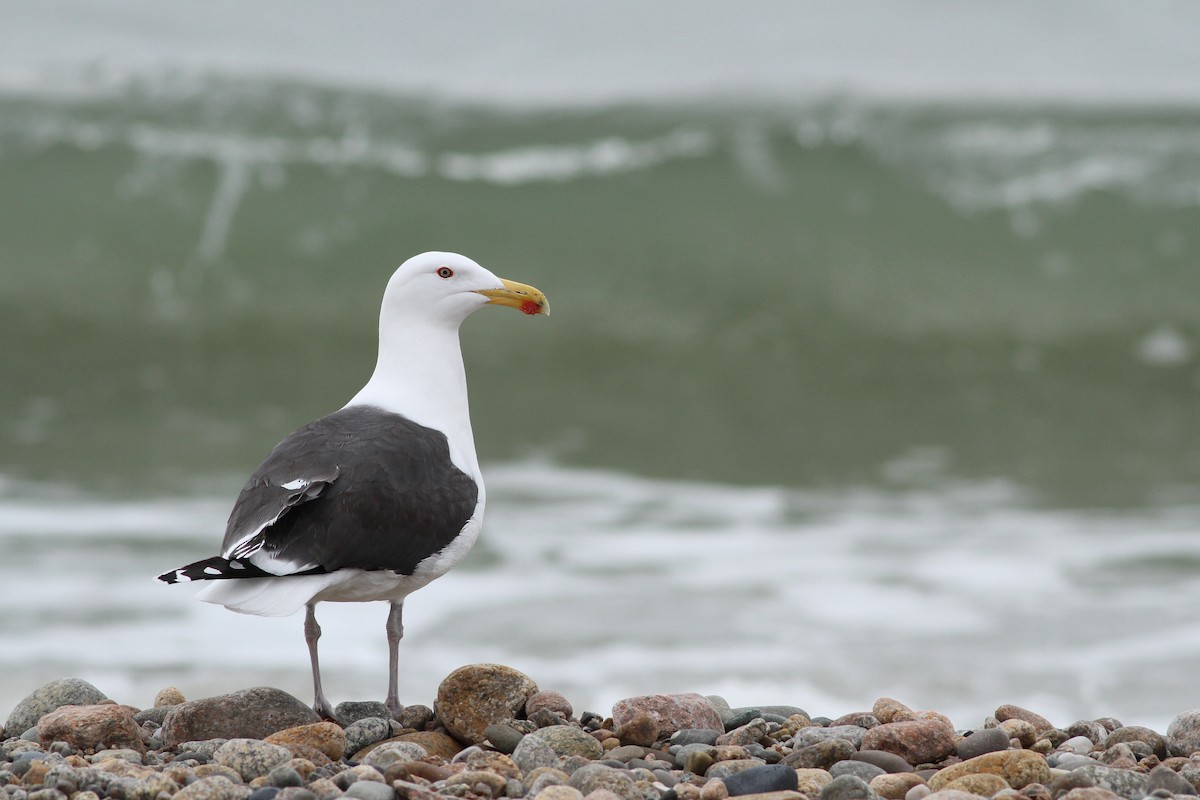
column 492, row 732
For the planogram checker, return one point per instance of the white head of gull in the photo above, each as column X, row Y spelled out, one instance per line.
column 379, row 498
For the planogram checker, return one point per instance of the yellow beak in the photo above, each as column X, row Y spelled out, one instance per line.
column 519, row 296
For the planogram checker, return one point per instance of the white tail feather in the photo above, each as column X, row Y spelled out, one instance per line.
column 267, row 597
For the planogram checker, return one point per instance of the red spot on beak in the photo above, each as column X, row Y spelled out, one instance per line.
column 530, row 307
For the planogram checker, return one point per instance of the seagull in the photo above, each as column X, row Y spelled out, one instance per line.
column 377, row 499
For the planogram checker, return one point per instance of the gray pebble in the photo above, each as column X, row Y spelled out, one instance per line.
column 724, row 769
column 352, row 711
column 847, row 787
column 988, row 740
column 859, row 769
column 366, row 731
column 205, row 747
column 567, row 740
column 758, row 780
column 295, row 793
column 810, row 736
column 888, row 762
column 371, row 790
column 1070, row 761
column 597, row 776
column 62, row 692
column 1078, row 744
column 390, row 753
column 1166, row 778
column 1183, row 734
column 284, row 775
column 504, row 738
column 547, row 778
column 532, row 752
column 1088, row 729
column 695, row 736
column 1124, row 782
column 821, row 755
column 251, row 758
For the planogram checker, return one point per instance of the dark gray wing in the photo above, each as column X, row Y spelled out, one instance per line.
column 361, row 488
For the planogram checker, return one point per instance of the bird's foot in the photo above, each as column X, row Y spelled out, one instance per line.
column 395, row 706
column 323, row 708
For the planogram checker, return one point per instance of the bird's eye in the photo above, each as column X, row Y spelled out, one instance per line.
column 445, row 272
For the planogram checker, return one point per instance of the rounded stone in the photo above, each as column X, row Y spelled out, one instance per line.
column 1183, row 734
column 594, row 777
column 946, row 794
column 759, row 780
column 1020, row 730
column 558, row 792
column 370, row 790
column 1080, row 745
column 811, row 781
column 549, row 700
column 366, row 731
column 1018, row 768
column 284, row 775
column 983, row 784
column 327, row 737
column 640, row 729
column 475, row 696
column 1166, row 778
column 807, row 736
column 728, row 767
column 672, row 712
column 393, row 752
column 861, row 719
column 1009, row 711
column 888, row 762
column 886, row 710
column 1125, row 782
column 503, row 737
column 920, row 741
column 214, row 787
column 436, row 743
column 1089, row 793
column 821, row 755
column 92, row 727
column 568, row 740
column 751, row 732
column 895, row 785
column 847, row 787
column 251, row 758
column 533, row 752
column 859, row 769
column 988, row 740
column 43, row 700
column 248, row 714
column 351, row 711
column 695, row 736
column 1137, row 733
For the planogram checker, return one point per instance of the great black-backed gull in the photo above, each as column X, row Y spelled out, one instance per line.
column 377, row 499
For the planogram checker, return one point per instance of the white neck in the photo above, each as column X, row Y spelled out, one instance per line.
column 420, row 374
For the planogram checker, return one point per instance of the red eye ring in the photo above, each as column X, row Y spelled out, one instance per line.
column 445, row 272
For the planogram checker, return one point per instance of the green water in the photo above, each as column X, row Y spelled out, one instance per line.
column 826, row 295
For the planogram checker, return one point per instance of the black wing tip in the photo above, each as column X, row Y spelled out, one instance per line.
column 211, row 569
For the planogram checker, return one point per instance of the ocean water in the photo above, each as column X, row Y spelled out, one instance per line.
column 866, row 375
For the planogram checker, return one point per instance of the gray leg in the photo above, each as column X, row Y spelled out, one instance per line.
column 395, row 632
column 312, row 632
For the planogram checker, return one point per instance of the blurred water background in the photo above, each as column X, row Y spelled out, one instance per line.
column 872, row 370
